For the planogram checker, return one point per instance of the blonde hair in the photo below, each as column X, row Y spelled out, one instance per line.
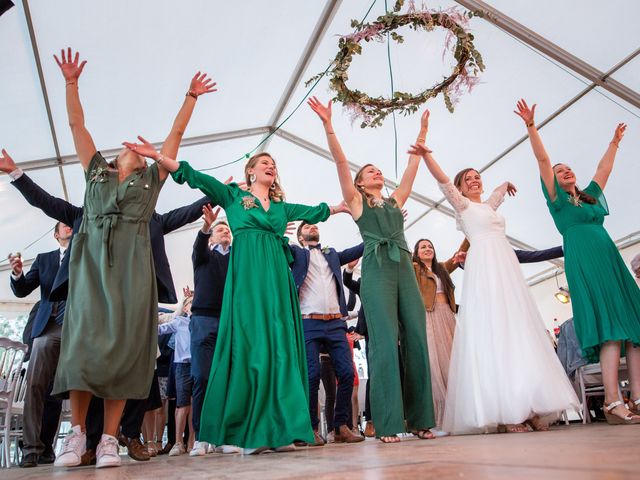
column 368, row 196
column 276, row 194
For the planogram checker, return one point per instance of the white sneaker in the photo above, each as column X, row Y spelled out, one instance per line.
column 199, row 449
column 73, row 447
column 228, row 449
column 107, row 452
column 177, row 449
column 211, row 448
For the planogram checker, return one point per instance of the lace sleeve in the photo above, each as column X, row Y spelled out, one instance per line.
column 497, row 197
column 454, row 197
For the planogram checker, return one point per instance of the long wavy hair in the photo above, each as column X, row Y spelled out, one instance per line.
column 361, row 189
column 582, row 196
column 436, row 267
column 276, row 193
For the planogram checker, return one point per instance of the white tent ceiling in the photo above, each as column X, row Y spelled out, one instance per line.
column 142, row 55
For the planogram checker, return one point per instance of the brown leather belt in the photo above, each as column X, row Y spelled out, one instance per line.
column 321, row 316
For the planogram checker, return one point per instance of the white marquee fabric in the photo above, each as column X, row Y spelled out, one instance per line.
column 141, row 56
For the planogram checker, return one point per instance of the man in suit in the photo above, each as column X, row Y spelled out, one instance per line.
column 46, row 332
column 159, row 226
column 318, row 278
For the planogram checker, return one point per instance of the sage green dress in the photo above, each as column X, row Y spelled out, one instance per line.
column 109, row 334
column 257, row 392
column 395, row 313
column 604, row 296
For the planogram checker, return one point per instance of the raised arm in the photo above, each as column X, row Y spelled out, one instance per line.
column 606, row 162
column 200, row 84
column 71, row 71
column 218, row 192
column 544, row 162
column 406, row 183
column 433, row 166
column 51, row 206
column 349, row 192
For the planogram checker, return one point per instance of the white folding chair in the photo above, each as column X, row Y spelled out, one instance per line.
column 11, row 360
column 589, row 380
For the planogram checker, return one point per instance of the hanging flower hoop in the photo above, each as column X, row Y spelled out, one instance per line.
column 373, row 110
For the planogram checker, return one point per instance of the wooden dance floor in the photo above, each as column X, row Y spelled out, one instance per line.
column 579, row 452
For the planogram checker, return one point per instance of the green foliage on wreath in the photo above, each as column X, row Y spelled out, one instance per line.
column 374, row 110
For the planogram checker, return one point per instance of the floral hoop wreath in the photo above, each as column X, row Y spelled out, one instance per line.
column 373, row 110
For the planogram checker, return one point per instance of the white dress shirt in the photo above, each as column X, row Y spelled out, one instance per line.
column 179, row 326
column 318, row 293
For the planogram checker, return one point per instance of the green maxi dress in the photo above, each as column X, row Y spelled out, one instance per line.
column 109, row 334
column 257, row 392
column 604, row 296
column 395, row 312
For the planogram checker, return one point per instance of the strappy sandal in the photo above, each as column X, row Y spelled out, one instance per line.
column 390, row 439
column 634, row 406
column 537, row 424
column 613, row 419
column 424, row 434
column 514, row 428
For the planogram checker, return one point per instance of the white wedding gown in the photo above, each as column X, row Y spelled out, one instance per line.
column 503, row 368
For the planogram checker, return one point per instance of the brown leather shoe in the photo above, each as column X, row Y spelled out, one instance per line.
column 88, row 458
column 369, row 430
column 345, row 435
column 135, row 449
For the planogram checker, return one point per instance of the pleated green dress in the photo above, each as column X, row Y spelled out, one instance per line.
column 604, row 296
column 257, row 392
column 109, row 334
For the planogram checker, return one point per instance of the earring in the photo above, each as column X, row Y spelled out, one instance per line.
column 273, row 186
column 252, row 178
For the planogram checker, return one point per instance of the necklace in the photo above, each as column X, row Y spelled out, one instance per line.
column 574, row 200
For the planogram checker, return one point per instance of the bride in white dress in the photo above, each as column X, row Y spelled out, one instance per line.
column 504, row 372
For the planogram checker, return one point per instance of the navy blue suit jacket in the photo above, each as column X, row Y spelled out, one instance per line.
column 300, row 267
column 69, row 214
column 42, row 274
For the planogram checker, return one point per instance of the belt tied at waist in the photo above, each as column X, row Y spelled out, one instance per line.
column 395, row 242
column 284, row 241
column 108, row 223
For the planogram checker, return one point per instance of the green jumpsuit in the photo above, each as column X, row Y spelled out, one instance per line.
column 395, row 312
column 257, row 394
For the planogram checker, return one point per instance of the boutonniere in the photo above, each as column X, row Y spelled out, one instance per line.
column 248, row 202
column 324, row 250
column 99, row 174
column 378, row 202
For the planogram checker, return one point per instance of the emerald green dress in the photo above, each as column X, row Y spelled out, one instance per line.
column 604, row 296
column 257, row 392
column 109, row 334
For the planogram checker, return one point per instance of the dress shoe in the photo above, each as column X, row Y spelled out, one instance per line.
column 369, row 430
column 47, row 457
column 345, row 435
column 166, row 449
column 29, row 460
column 88, row 457
column 135, row 449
